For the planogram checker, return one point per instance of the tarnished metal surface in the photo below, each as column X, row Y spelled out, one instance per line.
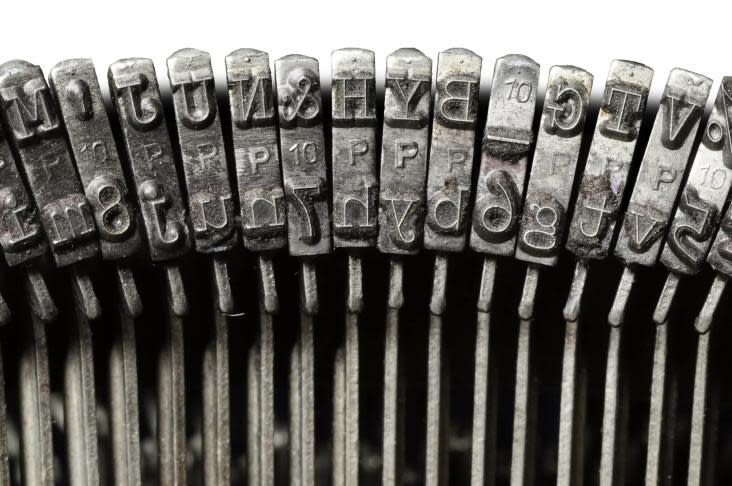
column 355, row 152
column 506, row 147
column 302, row 147
column 256, row 153
column 36, row 132
column 404, row 151
column 544, row 217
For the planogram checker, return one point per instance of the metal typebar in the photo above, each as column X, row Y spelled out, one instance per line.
column 262, row 202
column 124, row 401
column 639, row 244
column 211, row 209
column 402, row 204
column 355, row 218
column 591, row 231
column 506, row 145
column 449, row 181
column 37, row 465
column 543, row 222
column 690, row 236
column 76, row 89
column 21, row 236
column 38, row 137
column 304, row 168
column 136, row 95
column 80, row 415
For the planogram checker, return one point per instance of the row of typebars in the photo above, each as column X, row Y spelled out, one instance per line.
column 287, row 363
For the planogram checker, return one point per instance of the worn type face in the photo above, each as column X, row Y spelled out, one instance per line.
column 544, row 214
column 35, row 129
column 505, row 152
column 663, row 167
column 355, row 183
column 404, row 146
column 21, row 236
column 703, row 197
column 451, row 150
column 136, row 95
column 76, row 89
column 303, row 154
column 254, row 133
column 611, row 153
column 210, row 201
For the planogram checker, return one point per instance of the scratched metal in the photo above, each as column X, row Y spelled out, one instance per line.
column 136, row 95
column 4, row 452
column 36, row 132
column 663, row 167
column 354, row 169
column 81, row 105
column 705, row 192
column 80, row 412
column 606, row 171
column 404, row 150
column 124, row 405
column 256, row 154
column 505, row 153
column 544, row 215
column 210, row 200
column 449, row 178
column 21, row 236
column 302, row 147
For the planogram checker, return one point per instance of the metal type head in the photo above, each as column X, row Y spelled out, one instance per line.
column 256, row 154
column 544, row 216
column 505, row 152
column 355, row 151
column 404, row 151
column 35, row 129
column 663, row 167
column 81, row 106
column 134, row 87
column 451, row 156
column 705, row 193
column 605, row 176
column 210, row 199
column 302, row 147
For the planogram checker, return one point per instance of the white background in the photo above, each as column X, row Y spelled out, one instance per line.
column 692, row 34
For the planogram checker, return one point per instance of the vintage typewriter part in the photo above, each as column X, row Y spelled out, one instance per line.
column 283, row 284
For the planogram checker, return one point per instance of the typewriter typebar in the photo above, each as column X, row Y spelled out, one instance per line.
column 329, row 277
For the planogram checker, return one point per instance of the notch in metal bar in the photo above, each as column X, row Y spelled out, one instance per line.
column 663, row 307
column 573, row 306
column 176, row 290
column 128, row 291
column 622, row 295
column 706, row 315
column 84, row 293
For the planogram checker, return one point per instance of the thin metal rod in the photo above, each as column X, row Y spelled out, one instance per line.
column 80, row 411
column 706, row 315
column 171, row 397
column 222, row 285
column 612, row 465
column 522, row 468
column 124, row 402
column 436, row 473
column 39, row 297
column 178, row 302
column 260, row 413
column 4, row 452
column 617, row 311
column 656, row 466
column 35, row 405
column 482, row 469
column 698, row 444
column 216, row 411
column 346, row 389
column 84, row 293
column 393, row 439
column 570, row 459
column 128, row 291
column 666, row 299
column 302, row 393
